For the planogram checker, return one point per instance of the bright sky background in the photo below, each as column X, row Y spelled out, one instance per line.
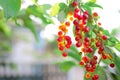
column 110, row 16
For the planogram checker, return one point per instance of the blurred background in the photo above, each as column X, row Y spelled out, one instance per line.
column 24, row 58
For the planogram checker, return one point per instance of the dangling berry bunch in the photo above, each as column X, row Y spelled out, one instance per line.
column 85, row 24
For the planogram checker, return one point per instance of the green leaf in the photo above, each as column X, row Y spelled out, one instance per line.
column 66, row 65
column 115, row 31
column 61, row 16
column 62, row 6
column 117, row 64
column 10, row 7
column 74, row 53
column 112, row 41
column 29, row 24
column 92, row 4
column 117, row 46
column 55, row 9
column 38, row 11
column 106, row 32
column 92, row 1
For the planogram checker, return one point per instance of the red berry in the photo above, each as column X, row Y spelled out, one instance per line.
column 98, row 44
column 104, row 56
column 86, row 29
column 104, row 37
column 77, row 28
column 78, row 44
column 85, row 16
column 87, row 39
column 64, row 54
column 67, row 23
column 96, row 76
column 60, row 33
column 76, row 10
column 95, row 57
column 77, row 38
column 59, row 39
column 61, row 48
column 67, row 38
column 81, row 63
column 74, row 3
column 67, row 46
column 75, row 15
column 95, row 14
column 85, row 59
column 101, row 48
column 112, row 65
column 75, row 22
column 79, row 17
column 86, row 44
column 90, row 50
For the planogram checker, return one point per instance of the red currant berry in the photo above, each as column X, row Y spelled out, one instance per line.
column 81, row 63
column 75, row 22
column 95, row 14
column 95, row 57
column 104, row 56
column 104, row 37
column 86, row 29
column 90, row 50
column 98, row 44
column 61, row 48
column 77, row 28
column 79, row 17
column 76, row 10
column 85, row 59
column 74, row 3
column 101, row 48
column 87, row 39
column 59, row 39
column 78, row 44
column 67, row 38
column 67, row 46
column 96, row 76
column 112, row 65
column 64, row 54
column 67, row 23
column 77, row 38
column 75, row 15
column 60, row 33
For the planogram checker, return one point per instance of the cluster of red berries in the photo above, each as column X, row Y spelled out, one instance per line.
column 79, row 18
column 64, row 41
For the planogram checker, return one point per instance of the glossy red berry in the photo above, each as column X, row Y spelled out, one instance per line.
column 95, row 77
column 78, row 44
column 75, row 22
column 81, row 63
column 95, row 14
column 74, row 3
column 61, row 48
column 98, row 44
column 85, row 59
column 101, row 48
column 112, row 65
column 64, row 54
column 95, row 57
column 60, row 33
column 104, row 37
column 76, row 10
column 90, row 50
column 86, row 29
column 87, row 39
